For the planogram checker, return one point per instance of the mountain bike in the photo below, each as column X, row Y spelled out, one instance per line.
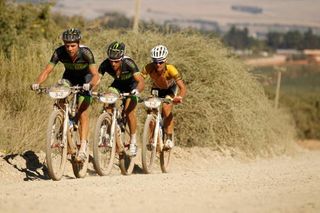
column 153, row 135
column 112, row 135
column 63, row 141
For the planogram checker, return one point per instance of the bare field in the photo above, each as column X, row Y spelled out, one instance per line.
column 286, row 12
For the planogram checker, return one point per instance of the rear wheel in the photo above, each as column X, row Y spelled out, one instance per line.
column 103, row 148
column 126, row 162
column 165, row 158
column 148, row 147
column 56, row 150
column 79, row 168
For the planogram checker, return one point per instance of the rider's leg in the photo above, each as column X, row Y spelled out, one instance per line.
column 168, row 124
column 168, row 118
column 83, row 116
column 130, row 109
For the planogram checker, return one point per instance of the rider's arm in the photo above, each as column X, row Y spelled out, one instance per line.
column 95, row 75
column 140, row 80
column 136, row 73
column 88, row 55
column 45, row 73
column 182, row 88
column 173, row 72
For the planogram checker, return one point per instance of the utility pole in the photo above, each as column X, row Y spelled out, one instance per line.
column 136, row 16
column 279, row 71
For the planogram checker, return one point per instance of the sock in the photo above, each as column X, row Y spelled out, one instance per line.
column 133, row 139
column 83, row 145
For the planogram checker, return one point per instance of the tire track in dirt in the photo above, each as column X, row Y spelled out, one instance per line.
column 200, row 180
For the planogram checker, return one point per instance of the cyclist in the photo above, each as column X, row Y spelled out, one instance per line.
column 167, row 80
column 126, row 77
column 80, row 69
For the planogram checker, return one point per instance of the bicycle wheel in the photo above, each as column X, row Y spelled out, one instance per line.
column 56, row 150
column 126, row 162
column 148, row 148
column 79, row 168
column 103, row 148
column 165, row 158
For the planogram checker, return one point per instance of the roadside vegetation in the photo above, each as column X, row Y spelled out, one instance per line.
column 299, row 93
column 225, row 108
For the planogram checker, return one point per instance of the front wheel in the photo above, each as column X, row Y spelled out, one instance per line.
column 148, row 144
column 103, row 148
column 56, row 150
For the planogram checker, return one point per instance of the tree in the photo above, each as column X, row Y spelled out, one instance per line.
column 238, row 39
column 310, row 41
column 274, row 40
column 293, row 40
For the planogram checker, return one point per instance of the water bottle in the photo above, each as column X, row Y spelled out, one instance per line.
column 71, row 123
column 73, row 111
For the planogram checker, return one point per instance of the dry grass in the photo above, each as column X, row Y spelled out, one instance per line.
column 225, row 107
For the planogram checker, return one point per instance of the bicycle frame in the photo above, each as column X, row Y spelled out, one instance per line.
column 153, row 135
column 64, row 109
column 157, row 128
column 113, row 119
column 68, row 110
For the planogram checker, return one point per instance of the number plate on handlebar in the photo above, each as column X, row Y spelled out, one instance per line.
column 152, row 103
column 59, row 92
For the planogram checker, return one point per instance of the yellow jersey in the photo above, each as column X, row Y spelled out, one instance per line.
column 164, row 80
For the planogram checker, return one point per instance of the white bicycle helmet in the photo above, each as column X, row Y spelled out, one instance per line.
column 159, row 53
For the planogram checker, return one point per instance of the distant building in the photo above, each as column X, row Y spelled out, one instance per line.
column 313, row 56
column 247, row 9
column 288, row 52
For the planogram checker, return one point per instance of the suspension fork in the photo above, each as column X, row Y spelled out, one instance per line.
column 65, row 124
column 113, row 125
column 156, row 129
column 73, row 109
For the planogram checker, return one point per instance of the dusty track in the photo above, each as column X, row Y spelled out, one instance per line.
column 200, row 181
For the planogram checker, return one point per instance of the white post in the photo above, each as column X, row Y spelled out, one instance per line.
column 276, row 100
column 136, row 16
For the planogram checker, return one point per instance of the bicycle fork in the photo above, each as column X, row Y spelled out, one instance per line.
column 65, row 125
column 113, row 127
column 156, row 134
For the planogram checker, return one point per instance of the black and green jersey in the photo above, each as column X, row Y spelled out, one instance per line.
column 77, row 71
column 125, row 82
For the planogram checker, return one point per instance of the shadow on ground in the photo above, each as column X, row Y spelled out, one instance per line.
column 29, row 164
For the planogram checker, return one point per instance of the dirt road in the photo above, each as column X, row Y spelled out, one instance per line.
column 200, row 181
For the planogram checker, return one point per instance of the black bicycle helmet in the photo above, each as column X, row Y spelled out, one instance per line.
column 116, row 50
column 71, row 35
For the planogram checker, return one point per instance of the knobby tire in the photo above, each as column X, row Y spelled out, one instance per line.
column 56, row 151
column 126, row 162
column 148, row 151
column 103, row 155
column 79, row 168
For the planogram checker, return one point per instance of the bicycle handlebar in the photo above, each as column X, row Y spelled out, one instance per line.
column 164, row 100
column 73, row 89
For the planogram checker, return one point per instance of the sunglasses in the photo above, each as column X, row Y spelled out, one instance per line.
column 158, row 62
column 114, row 61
